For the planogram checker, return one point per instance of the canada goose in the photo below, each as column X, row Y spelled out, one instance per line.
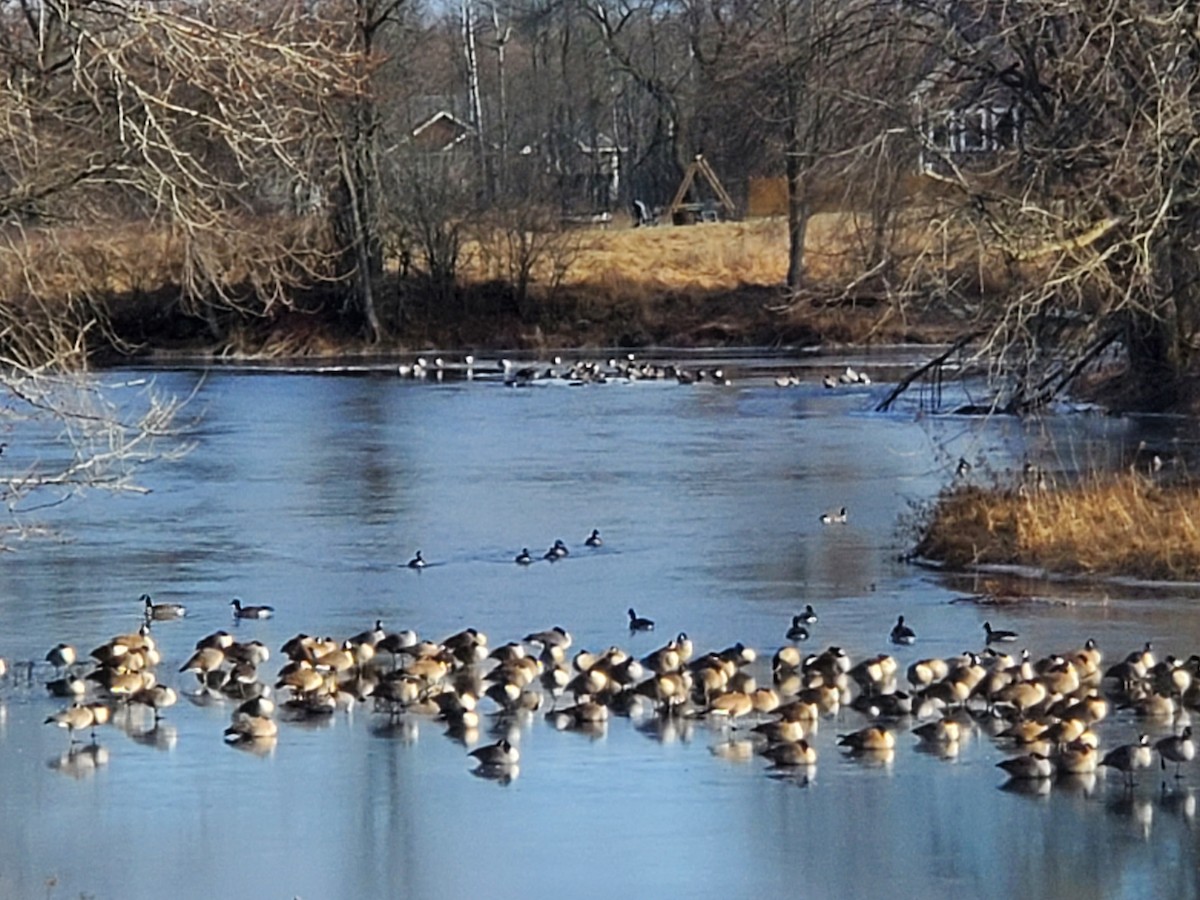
column 124, row 685
column 61, row 656
column 417, row 562
column 162, row 611
column 250, row 612
column 523, row 558
column 925, row 672
column 871, row 738
column 507, row 652
column 765, row 700
column 74, row 718
column 839, row 517
column 782, row 730
column 786, row 659
column 943, row 731
column 157, row 697
column 221, row 640
column 338, row 660
column 638, row 623
column 594, row 539
column 551, row 637
column 792, row 753
column 1128, row 758
column 70, row 685
column 1077, row 758
column 204, row 661
column 732, row 705
column 371, row 636
column 253, row 653
column 558, row 550
column 797, row 632
column 995, row 636
column 586, row 712
column 502, row 753
column 245, row 729
column 1022, row 695
column 396, row 643
column 902, row 634
column 872, row 674
column 1178, row 748
column 1091, row 709
column 1028, row 767
column 1089, row 658
column 261, row 705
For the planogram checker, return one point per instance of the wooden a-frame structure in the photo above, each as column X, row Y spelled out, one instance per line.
column 700, row 166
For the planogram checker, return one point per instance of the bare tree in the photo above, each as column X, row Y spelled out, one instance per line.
column 1067, row 136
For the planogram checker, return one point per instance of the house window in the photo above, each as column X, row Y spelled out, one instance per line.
column 976, row 129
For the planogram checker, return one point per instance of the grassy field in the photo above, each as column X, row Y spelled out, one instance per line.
column 703, row 284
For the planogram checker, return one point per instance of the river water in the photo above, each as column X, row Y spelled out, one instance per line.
column 309, row 491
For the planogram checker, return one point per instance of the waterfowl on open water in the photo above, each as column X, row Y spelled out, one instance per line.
column 998, row 636
column 838, row 517
column 250, row 612
column 902, row 634
column 162, row 611
column 639, row 623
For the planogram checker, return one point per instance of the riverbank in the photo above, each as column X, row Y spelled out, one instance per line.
column 1131, row 524
column 705, row 285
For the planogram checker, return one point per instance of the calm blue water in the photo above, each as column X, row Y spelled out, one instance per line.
column 309, row 492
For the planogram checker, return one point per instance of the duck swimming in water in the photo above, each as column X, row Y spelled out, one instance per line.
column 162, row 611
column 594, row 539
column 417, row 562
column 997, row 636
column 523, row 558
column 834, row 518
column 902, row 634
column 250, row 612
column 797, row 632
column 638, row 623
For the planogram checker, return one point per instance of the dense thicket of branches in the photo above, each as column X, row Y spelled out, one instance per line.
column 263, row 149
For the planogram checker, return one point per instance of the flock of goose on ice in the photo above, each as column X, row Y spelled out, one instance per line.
column 1046, row 714
column 579, row 372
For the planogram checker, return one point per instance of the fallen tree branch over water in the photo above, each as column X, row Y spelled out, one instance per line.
column 934, row 365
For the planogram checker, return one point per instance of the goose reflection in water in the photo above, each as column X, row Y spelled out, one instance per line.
column 81, row 761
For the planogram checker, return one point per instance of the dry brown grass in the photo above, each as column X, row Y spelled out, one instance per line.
column 701, row 258
column 1119, row 524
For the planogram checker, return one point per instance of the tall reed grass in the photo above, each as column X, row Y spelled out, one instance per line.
column 1117, row 524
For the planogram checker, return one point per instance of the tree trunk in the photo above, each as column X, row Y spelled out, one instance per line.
column 1155, row 363
column 797, row 201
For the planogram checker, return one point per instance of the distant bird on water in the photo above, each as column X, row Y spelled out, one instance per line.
column 162, row 611
column 594, row 539
column 839, row 517
column 250, row 612
column 523, row 558
column 639, row 623
column 417, row 562
column 902, row 634
column 998, row 636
